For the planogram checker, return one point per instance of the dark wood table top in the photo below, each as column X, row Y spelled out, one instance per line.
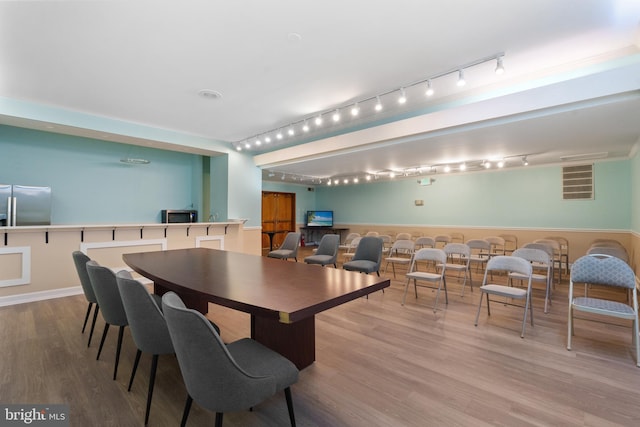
column 254, row 284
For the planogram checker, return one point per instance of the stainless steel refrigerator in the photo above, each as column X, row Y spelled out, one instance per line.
column 24, row 205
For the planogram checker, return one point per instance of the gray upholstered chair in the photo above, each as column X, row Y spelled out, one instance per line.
column 147, row 324
column 288, row 249
column 105, row 286
column 608, row 271
column 508, row 264
column 327, row 252
column 367, row 257
column 80, row 260
column 224, row 378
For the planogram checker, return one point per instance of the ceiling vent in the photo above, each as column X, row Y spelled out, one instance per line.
column 577, row 182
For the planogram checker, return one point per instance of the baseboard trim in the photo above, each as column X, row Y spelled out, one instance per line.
column 39, row 296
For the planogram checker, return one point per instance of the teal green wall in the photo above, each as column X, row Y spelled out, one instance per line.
column 90, row 184
column 635, row 192
column 305, row 199
column 523, row 197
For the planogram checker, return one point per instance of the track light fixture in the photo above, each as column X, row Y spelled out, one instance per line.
column 461, row 80
column 403, row 96
column 429, row 91
column 499, row 65
column 525, row 162
column 374, row 102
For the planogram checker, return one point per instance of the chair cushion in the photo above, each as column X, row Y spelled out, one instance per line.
column 280, row 253
column 506, row 291
column 423, row 275
column 611, row 308
column 363, row 266
column 258, row 360
column 319, row 259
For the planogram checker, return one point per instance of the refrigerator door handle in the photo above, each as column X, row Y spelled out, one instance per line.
column 12, row 210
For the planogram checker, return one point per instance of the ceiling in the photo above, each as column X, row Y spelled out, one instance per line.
column 571, row 89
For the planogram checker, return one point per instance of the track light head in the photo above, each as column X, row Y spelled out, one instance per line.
column 378, row 106
column 403, row 96
column 499, row 65
column 461, row 80
column 429, row 91
column 525, row 162
column 336, row 116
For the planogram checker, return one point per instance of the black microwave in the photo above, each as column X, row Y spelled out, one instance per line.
column 176, row 216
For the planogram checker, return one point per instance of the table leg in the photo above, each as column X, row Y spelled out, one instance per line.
column 296, row 341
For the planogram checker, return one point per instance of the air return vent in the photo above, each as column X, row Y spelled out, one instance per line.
column 577, row 182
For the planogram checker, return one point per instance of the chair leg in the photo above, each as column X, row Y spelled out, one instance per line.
column 292, row 416
column 86, row 317
column 118, row 348
column 479, row 308
column 219, row 419
column 152, row 380
column 104, row 335
column 185, row 413
column 135, row 368
column 93, row 323
column 404, row 295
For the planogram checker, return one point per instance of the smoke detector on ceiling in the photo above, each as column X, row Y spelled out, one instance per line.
column 210, row 94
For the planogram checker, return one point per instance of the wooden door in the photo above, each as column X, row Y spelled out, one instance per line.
column 279, row 215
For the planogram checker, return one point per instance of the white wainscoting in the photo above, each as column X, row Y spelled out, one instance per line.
column 200, row 239
column 25, row 275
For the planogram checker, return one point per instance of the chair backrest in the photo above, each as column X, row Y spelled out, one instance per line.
column 354, row 244
column 403, row 236
column 403, row 246
column 603, row 270
column 105, row 286
column 148, row 327
column 497, row 244
column 430, row 254
column 542, row 246
column 80, row 260
column 479, row 245
column 369, row 249
column 329, row 245
column 510, row 241
column 425, row 242
column 386, row 238
column 509, row 264
column 562, row 241
column 372, row 234
column 211, row 375
column 457, row 237
column 533, row 255
column 457, row 249
column 605, row 242
column 553, row 243
column 618, row 252
column 350, row 237
column 291, row 241
column 442, row 238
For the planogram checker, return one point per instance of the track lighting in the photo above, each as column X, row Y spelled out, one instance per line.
column 525, row 162
column 247, row 145
column 499, row 65
column 378, row 106
column 258, row 141
column 487, row 165
column 238, row 148
column 447, row 168
column 501, row 163
column 461, row 80
column 429, row 91
column 403, row 96
column 463, row 166
column 362, row 106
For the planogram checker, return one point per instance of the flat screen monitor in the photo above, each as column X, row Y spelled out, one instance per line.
column 319, row 218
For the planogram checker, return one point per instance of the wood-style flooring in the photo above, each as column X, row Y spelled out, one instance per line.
column 378, row 363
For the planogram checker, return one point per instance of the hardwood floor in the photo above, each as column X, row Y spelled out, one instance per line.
column 378, row 364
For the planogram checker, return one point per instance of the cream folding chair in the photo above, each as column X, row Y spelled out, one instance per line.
column 347, row 241
column 605, row 271
column 351, row 249
column 437, row 256
column 441, row 240
column 403, row 236
column 510, row 243
column 557, row 256
column 497, row 245
column 509, row 264
column 479, row 252
column 536, row 257
column 401, row 253
column 458, row 258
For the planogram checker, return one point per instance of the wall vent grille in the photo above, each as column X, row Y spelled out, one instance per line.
column 577, row 182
